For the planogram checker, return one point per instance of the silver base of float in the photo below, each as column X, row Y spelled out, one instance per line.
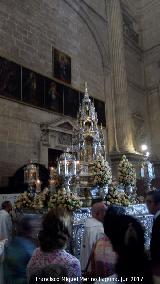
column 138, row 211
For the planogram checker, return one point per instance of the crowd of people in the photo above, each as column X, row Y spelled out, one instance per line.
column 112, row 248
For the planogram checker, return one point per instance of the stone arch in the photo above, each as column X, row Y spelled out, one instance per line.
column 86, row 18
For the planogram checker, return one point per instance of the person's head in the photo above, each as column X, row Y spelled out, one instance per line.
column 7, row 205
column 25, row 226
column 56, row 271
column 99, row 210
column 153, row 201
column 127, row 237
column 115, row 210
column 56, row 230
column 123, row 231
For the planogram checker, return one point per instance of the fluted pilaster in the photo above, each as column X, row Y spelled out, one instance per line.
column 119, row 77
column 110, row 114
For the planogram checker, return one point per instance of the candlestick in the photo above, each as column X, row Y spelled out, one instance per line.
column 51, row 172
column 59, row 168
column 75, row 167
column 65, row 167
column 38, row 185
column 78, row 166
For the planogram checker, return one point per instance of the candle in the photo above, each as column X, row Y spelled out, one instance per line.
column 75, row 167
column 65, row 167
column 59, row 168
column 51, row 171
column 52, row 181
column 78, row 165
column 38, row 185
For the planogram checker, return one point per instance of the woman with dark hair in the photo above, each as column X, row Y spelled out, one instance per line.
column 56, row 231
column 127, row 237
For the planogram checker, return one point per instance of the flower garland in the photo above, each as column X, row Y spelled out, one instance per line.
column 45, row 199
column 24, row 200
column 102, row 172
column 40, row 200
column 116, row 197
column 126, row 172
column 28, row 201
column 64, row 199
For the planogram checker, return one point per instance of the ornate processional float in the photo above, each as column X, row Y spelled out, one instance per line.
column 83, row 174
column 89, row 148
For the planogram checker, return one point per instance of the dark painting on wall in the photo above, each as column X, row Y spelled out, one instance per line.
column 10, row 79
column 100, row 109
column 61, row 66
column 32, row 87
column 53, row 96
column 53, row 154
column 71, row 102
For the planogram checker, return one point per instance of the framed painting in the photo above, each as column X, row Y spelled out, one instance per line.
column 53, row 95
column 61, row 66
column 71, row 102
column 32, row 87
column 10, row 79
column 100, row 109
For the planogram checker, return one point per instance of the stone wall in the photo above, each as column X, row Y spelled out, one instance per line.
column 137, row 96
column 150, row 25
column 146, row 15
column 28, row 31
column 20, row 136
column 135, row 73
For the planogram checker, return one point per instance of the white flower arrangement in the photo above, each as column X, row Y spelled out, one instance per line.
column 24, row 200
column 64, row 199
column 126, row 172
column 45, row 199
column 102, row 172
column 40, row 200
column 27, row 201
column 115, row 197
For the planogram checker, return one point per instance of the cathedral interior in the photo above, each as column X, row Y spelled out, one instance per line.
column 48, row 50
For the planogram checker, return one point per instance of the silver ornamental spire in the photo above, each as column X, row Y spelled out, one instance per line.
column 86, row 88
column 90, row 140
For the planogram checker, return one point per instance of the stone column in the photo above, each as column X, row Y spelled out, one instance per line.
column 154, row 111
column 110, row 114
column 119, row 78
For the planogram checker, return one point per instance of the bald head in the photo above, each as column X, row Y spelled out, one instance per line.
column 99, row 211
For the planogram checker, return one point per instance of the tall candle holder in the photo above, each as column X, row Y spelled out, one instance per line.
column 67, row 168
column 53, row 178
column 38, row 186
column 147, row 171
column 31, row 176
